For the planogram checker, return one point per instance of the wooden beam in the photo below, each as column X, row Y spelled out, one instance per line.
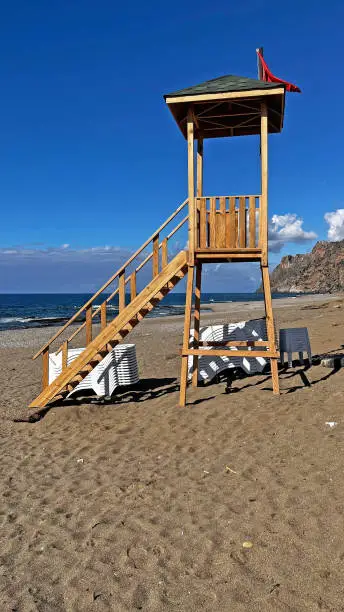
column 164, row 253
column 212, row 223
column 65, row 355
column 231, row 353
column 197, row 319
column 103, row 317
column 242, row 223
column 186, row 337
column 231, row 95
column 234, row 343
column 155, row 255
column 45, row 367
column 263, row 216
column 252, row 222
column 199, row 167
column 270, row 326
column 88, row 325
column 121, row 296
column 191, row 187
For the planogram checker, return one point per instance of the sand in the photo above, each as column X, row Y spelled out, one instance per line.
column 136, row 504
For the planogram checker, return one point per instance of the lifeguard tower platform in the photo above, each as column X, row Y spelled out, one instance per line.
column 226, row 228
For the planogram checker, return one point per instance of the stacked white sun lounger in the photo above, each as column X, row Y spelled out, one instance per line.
column 118, row 368
column 244, row 330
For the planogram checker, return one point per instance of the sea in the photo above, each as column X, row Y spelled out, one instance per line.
column 22, row 311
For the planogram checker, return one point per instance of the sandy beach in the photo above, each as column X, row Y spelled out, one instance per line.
column 137, row 504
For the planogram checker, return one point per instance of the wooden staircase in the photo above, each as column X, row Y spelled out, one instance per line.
column 129, row 315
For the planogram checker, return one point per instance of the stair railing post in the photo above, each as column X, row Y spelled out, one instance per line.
column 45, row 367
column 88, row 324
column 65, row 355
column 121, row 285
column 155, row 255
column 133, row 289
column 164, row 253
column 103, row 321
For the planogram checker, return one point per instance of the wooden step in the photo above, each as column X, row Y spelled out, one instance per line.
column 107, row 338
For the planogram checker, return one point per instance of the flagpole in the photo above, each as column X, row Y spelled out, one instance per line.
column 259, row 63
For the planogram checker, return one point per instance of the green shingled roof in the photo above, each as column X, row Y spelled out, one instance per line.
column 224, row 84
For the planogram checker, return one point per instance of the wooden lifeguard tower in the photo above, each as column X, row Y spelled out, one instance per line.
column 226, row 228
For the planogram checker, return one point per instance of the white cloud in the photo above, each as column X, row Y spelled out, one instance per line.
column 335, row 221
column 287, row 228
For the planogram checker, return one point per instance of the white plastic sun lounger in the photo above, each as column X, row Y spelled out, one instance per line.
column 118, row 368
column 208, row 367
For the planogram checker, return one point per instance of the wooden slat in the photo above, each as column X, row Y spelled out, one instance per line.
column 234, row 343
column 155, row 255
column 242, row 222
column 65, row 355
column 121, row 285
column 164, row 253
column 212, row 223
column 202, row 223
column 231, row 223
column 103, row 319
column 221, row 225
column 252, row 222
column 230, row 353
column 88, row 324
column 45, row 368
column 236, row 228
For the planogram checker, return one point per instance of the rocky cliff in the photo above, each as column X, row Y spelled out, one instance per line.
column 320, row 271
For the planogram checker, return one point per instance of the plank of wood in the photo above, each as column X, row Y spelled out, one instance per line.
column 65, row 355
column 164, row 253
column 156, row 255
column 103, row 317
column 254, row 93
column 45, row 368
column 121, row 295
column 197, row 319
column 186, row 336
column 270, row 327
column 88, row 325
column 242, row 222
column 252, row 222
column 199, row 167
column 263, row 216
column 212, row 223
column 231, row 223
column 202, row 222
column 221, row 353
column 191, row 186
column 221, row 225
column 234, row 343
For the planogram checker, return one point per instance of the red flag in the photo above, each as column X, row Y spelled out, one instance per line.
column 271, row 78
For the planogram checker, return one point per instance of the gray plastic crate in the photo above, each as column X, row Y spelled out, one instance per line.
column 294, row 340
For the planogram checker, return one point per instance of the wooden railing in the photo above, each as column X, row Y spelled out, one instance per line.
column 228, row 222
column 126, row 275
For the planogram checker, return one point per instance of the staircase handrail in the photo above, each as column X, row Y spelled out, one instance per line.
column 113, row 277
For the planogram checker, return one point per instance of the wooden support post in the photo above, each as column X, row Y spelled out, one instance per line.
column 103, row 321
column 270, row 326
column 45, row 367
column 197, row 319
column 187, row 322
column 155, row 255
column 88, row 324
column 263, row 216
column 199, row 167
column 64, row 355
column 133, row 290
column 164, row 253
column 121, row 296
column 191, row 187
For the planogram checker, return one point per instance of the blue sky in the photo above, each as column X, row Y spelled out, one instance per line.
column 91, row 157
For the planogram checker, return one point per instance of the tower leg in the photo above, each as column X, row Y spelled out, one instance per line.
column 187, row 323
column 270, row 327
column 197, row 321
